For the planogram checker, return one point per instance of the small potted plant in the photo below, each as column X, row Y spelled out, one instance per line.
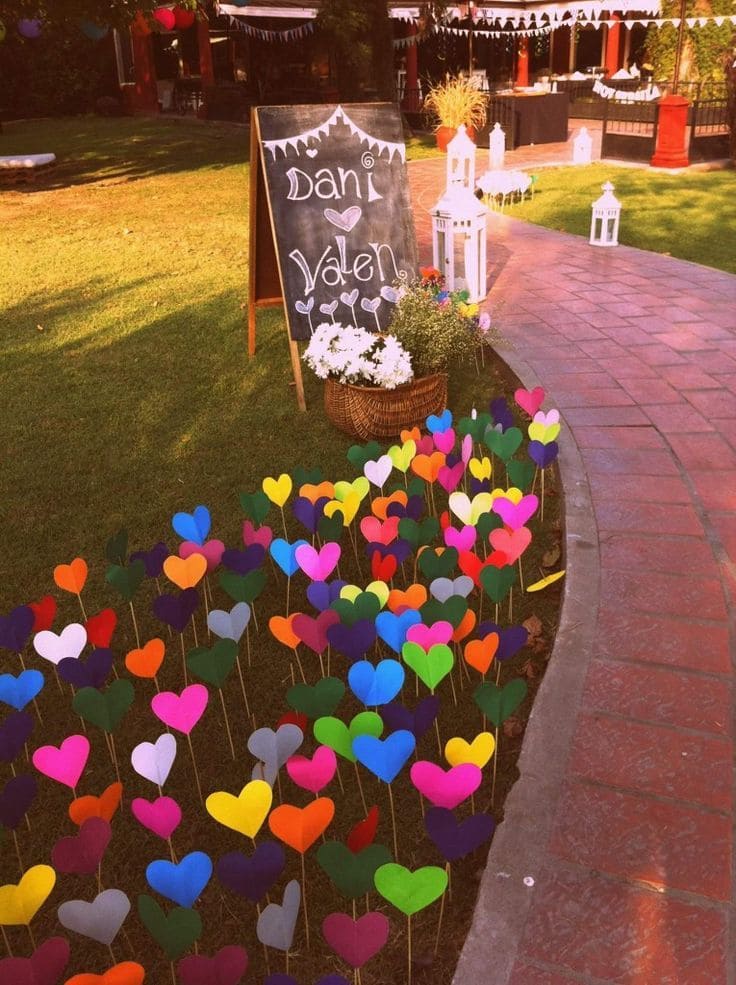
column 454, row 101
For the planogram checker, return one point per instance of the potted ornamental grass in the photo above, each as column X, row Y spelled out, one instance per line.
column 455, row 101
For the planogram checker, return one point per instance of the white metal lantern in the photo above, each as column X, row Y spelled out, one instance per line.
column 582, row 147
column 459, row 224
column 605, row 218
column 497, row 148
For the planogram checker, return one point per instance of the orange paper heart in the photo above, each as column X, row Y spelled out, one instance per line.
column 300, row 827
column 480, row 653
column 146, row 661
column 380, row 504
column 125, row 973
column 282, row 628
column 313, row 493
column 104, row 806
column 71, row 577
column 466, row 627
column 428, row 467
column 413, row 598
column 185, row 572
column 414, row 435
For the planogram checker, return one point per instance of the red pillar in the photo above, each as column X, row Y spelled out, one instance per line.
column 144, row 98
column 205, row 51
column 411, row 94
column 522, row 62
column 613, row 45
column 671, row 149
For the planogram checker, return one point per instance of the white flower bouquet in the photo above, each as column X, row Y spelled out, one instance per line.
column 355, row 355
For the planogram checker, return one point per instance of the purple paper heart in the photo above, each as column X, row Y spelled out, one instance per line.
column 252, row 877
column 308, row 513
column 419, row 721
column 82, row 853
column 400, row 549
column 14, row 733
column 501, row 413
column 543, row 455
column 510, row 640
column 45, row 966
column 456, row 839
column 278, row 979
column 17, row 796
column 479, row 486
column 353, row 641
column 452, row 460
column 321, row 594
column 176, row 610
column 414, row 508
column 243, row 562
column 92, row 672
column 356, row 941
column 227, row 967
column 16, row 628
column 153, row 560
column 313, row 632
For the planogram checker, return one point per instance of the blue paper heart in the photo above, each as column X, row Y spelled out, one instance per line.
column 193, row 526
column 439, row 424
column 19, row 691
column 543, row 455
column 376, row 685
column 182, row 883
column 284, row 554
column 322, row 594
column 385, row 759
column 393, row 629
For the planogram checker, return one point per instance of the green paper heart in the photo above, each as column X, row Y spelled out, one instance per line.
column 331, row 528
column 213, row 665
column 360, row 486
column 127, row 580
column 497, row 581
column 474, row 426
column 416, row 486
column 504, row 445
column 521, row 474
column 243, row 588
column 497, row 703
column 419, row 534
column 174, row 932
column 316, row 701
column 438, row 565
column 366, row 606
column 358, row 455
column 352, row 874
column 431, row 667
column 105, row 708
column 255, row 506
column 305, row 477
column 488, row 522
column 452, row 611
column 116, row 549
column 338, row 736
column 410, row 891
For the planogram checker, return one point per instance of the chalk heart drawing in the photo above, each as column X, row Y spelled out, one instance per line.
column 370, row 304
column 390, row 294
column 349, row 298
column 312, row 152
column 329, row 309
column 347, row 220
column 304, row 308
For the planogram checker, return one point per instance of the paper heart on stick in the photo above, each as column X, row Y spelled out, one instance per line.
column 44, row 967
column 313, row 774
column 444, row 588
column 353, row 641
column 103, row 806
column 428, row 636
column 437, row 423
column 428, row 467
column 338, row 736
column 456, row 839
column 161, row 816
column 497, row 703
column 153, row 760
column 211, row 551
column 399, row 600
column 393, row 628
column 377, row 471
column 275, row 747
column 252, row 877
column 410, row 891
column 318, row 700
column 478, row 752
column 278, row 490
column 384, row 758
column 445, row 788
column 363, row 833
column 376, row 685
column 515, row 515
column 356, row 941
column 82, row 853
column 300, row 827
column 68, row 643
column 256, row 535
column 543, row 455
column 444, row 441
column 244, row 813
column 71, row 577
column 543, row 433
column 243, row 562
column 185, row 572
column 17, row 796
column 123, row 973
column 146, row 661
column 182, row 882
column 44, row 613
column 153, row 560
column 512, row 543
column 66, row 763
column 21, row 690
column 176, row 610
column 352, row 872
column 19, row 902
column 193, row 526
column 213, row 664
column 92, row 672
column 431, row 666
column 417, row 721
column 469, row 511
column 174, row 932
column 480, row 653
column 284, row 554
column 318, row 565
column 530, row 400
column 105, row 709
column 276, row 923
column 181, row 711
column 227, row 967
column 99, row 920
column 401, row 455
column 282, row 629
column 461, row 540
column 101, row 627
column 17, row 626
column 313, row 631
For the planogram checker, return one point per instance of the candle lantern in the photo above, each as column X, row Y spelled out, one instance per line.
column 605, row 219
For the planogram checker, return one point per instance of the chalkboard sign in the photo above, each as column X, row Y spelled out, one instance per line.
column 340, row 215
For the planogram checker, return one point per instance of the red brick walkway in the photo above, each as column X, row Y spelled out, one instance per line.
column 631, row 851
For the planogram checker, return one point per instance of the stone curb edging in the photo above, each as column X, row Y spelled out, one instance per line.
column 519, row 845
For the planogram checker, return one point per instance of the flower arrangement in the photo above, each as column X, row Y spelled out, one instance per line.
column 354, row 355
column 457, row 100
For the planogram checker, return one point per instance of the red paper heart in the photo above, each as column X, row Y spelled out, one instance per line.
column 82, row 853
column 101, row 627
column 44, row 612
column 383, row 568
column 362, row 835
column 294, row 718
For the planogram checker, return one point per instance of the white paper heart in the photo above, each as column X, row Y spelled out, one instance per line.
column 548, row 419
column 390, row 294
column 69, row 643
column 153, row 760
column 377, row 472
column 346, row 220
column 444, row 588
column 276, row 923
column 329, row 309
column 229, row 625
column 370, row 304
column 303, row 308
column 99, row 920
column 274, row 748
column 351, row 298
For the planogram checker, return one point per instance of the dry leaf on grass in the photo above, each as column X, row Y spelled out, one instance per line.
column 533, row 626
column 551, row 557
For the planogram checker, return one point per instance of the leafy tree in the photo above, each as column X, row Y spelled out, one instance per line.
column 114, row 13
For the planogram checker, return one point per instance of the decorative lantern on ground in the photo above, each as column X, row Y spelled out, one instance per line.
column 605, row 218
column 582, row 147
column 497, row 148
column 459, row 223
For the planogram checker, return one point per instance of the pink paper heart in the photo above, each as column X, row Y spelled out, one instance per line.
column 162, row 815
column 318, row 565
column 181, row 711
column 429, row 636
column 65, row 764
column 376, row 532
column 211, row 551
column 45, row 966
column 425, row 445
column 313, row 632
column 227, row 967
column 450, row 478
column 445, row 789
column 466, row 449
column 356, row 941
column 315, row 773
column 548, row 419
column 82, row 853
column 512, row 543
column 530, row 400
column 515, row 515
column 444, row 441
column 257, row 535
column 463, row 540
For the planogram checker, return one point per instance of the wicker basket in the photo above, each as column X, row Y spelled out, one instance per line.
column 372, row 412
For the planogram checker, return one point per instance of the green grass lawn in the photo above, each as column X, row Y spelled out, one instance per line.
column 691, row 216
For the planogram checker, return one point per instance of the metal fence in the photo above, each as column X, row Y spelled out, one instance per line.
column 629, row 130
column 709, row 130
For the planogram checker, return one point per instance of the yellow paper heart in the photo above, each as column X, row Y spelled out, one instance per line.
column 348, row 507
column 360, row 487
column 477, row 752
column 278, row 490
column 480, row 468
column 549, row 580
column 380, row 589
column 244, row 813
column 401, row 455
column 350, row 592
column 513, row 494
column 20, row 902
column 477, row 506
column 543, row 433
